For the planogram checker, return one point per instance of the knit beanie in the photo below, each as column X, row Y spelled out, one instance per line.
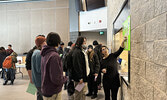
column 70, row 43
column 39, row 40
column 90, row 46
column 95, row 42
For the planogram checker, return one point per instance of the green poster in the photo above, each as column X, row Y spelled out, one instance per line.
column 126, row 32
column 31, row 89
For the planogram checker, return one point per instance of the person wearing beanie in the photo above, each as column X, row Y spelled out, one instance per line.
column 11, row 71
column 95, row 43
column 94, row 66
column 70, row 43
column 90, row 46
column 39, row 41
column 36, row 65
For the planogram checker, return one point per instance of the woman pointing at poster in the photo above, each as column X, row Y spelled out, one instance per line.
column 111, row 80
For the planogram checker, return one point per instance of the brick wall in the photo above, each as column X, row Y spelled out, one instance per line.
column 148, row 48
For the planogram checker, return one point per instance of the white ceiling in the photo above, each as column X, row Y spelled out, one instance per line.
column 9, row 1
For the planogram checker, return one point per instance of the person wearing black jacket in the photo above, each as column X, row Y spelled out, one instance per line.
column 60, row 49
column 80, row 67
column 3, row 55
column 111, row 80
column 28, row 62
column 97, row 50
column 94, row 66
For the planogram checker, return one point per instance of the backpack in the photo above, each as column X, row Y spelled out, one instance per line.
column 8, row 62
column 65, row 59
column 98, row 51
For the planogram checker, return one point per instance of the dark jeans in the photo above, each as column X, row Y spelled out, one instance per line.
column 108, row 89
column 9, row 74
column 92, row 85
column 39, row 93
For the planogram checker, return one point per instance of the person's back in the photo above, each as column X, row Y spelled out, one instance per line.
column 36, row 68
column 51, row 69
column 28, row 62
column 64, row 58
column 98, row 52
column 11, row 70
column 36, row 65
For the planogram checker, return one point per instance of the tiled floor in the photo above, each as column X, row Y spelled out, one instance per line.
column 18, row 90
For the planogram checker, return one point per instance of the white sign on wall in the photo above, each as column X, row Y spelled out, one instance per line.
column 93, row 20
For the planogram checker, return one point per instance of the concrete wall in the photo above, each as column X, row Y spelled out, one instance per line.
column 21, row 22
column 148, row 48
column 91, row 36
column 74, row 21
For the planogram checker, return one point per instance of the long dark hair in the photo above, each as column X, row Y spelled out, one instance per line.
column 79, row 41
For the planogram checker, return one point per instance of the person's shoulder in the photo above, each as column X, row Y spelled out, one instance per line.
column 55, row 55
column 36, row 51
column 111, row 55
column 77, row 50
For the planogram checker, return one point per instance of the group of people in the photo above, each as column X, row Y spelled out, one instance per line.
column 8, row 58
column 46, row 62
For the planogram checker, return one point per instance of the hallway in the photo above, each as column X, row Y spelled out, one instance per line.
column 18, row 90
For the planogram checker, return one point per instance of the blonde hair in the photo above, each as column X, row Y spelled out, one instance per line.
column 91, row 55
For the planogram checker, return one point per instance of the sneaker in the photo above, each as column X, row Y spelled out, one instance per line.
column 94, row 96
column 89, row 94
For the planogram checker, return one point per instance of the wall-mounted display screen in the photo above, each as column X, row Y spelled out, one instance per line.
column 94, row 4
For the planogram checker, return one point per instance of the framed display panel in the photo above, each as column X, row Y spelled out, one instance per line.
column 121, row 28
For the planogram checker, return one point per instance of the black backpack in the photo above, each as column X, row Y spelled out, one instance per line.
column 67, row 60
column 98, row 51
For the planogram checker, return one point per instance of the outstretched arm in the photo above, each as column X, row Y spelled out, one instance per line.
column 117, row 53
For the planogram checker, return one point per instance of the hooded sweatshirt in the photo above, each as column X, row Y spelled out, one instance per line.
column 36, row 68
column 51, row 71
